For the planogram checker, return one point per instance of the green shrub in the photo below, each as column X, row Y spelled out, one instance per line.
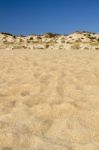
column 51, row 35
column 5, row 33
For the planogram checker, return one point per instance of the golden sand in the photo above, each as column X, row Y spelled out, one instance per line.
column 49, row 99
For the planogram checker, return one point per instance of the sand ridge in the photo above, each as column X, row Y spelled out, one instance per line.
column 77, row 40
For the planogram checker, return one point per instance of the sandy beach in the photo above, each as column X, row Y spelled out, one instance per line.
column 49, row 99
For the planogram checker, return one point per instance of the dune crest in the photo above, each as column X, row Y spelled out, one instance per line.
column 76, row 40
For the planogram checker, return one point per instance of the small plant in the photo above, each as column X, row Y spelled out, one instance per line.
column 25, row 47
column 68, row 42
column 28, row 41
column 86, row 48
column 70, row 37
column 93, row 38
column 14, row 36
column 51, row 35
column 97, row 48
column 98, row 39
column 21, row 40
column 47, row 46
column 31, row 38
column 5, row 33
column 39, row 38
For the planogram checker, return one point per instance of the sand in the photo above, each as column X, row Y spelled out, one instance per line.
column 49, row 99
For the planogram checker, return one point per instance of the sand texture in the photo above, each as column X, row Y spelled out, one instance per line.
column 49, row 99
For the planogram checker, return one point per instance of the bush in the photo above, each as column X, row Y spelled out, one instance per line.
column 8, row 34
column 31, row 38
column 70, row 37
column 39, row 38
column 21, row 40
column 97, row 48
column 86, row 48
column 93, row 38
column 51, row 35
column 5, row 33
column 47, row 46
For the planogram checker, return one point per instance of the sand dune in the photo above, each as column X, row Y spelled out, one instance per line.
column 49, row 99
column 76, row 40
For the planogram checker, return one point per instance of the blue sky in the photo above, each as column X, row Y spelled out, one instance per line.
column 40, row 16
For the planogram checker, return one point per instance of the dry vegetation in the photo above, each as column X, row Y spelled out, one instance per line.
column 77, row 40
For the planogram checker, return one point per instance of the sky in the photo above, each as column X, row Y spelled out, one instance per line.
column 41, row 16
